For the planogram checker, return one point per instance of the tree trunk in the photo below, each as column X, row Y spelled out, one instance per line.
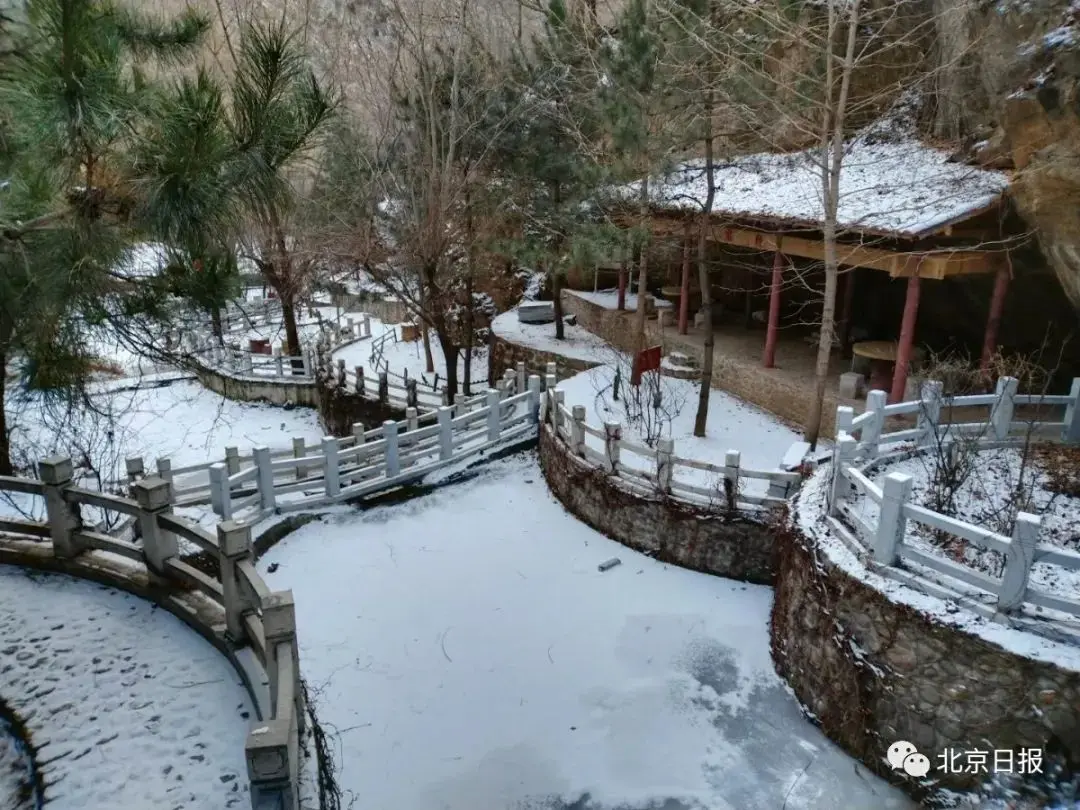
column 556, row 300
column 469, row 335
column 702, row 416
column 215, row 325
column 450, row 355
column 643, row 278
column 5, row 447
column 425, row 334
column 832, row 152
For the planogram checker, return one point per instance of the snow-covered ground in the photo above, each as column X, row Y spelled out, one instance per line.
column 985, row 499
column 579, row 343
column 407, row 359
column 471, row 656
column 811, row 517
column 609, row 299
column 128, row 707
column 178, row 420
column 733, row 424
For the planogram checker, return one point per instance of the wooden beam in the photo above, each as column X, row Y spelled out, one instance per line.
column 937, row 264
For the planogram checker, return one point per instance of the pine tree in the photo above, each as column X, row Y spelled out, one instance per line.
column 71, row 96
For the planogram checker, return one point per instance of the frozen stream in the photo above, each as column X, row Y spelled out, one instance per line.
column 471, row 656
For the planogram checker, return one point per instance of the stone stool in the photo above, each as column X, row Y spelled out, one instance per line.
column 852, row 385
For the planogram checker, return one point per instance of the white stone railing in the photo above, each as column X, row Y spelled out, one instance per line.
column 245, row 616
column 658, row 475
column 267, row 481
column 863, row 445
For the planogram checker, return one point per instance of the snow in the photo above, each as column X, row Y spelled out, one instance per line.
column 127, row 706
column 472, row 656
column 609, row 299
column 885, row 188
column 984, row 500
column 733, row 424
column 178, row 420
column 408, row 358
column 579, row 343
column 810, row 515
column 144, row 260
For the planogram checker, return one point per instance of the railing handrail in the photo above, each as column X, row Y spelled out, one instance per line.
column 255, row 617
column 859, row 450
column 570, row 427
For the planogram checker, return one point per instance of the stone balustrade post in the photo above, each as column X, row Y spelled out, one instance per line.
column 299, row 450
column 732, row 462
column 1002, row 414
column 446, row 433
column 331, row 466
column 521, row 377
column 359, row 371
column 1071, row 431
column 845, row 415
column 265, row 478
column 535, row 387
column 232, row 460
column 279, row 365
column 929, row 419
column 279, row 630
column 341, row 373
column 843, row 455
column 135, row 470
column 412, row 418
column 220, row 493
column 665, row 455
column 577, row 430
column 384, row 387
column 892, row 523
column 358, row 434
column 234, row 543
column 494, row 423
column 411, row 394
column 163, row 467
column 871, row 433
column 154, row 497
column 1018, row 561
column 270, row 752
column 57, row 475
column 390, row 436
column 612, row 435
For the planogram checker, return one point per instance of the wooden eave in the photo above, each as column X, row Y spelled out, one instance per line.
column 931, row 263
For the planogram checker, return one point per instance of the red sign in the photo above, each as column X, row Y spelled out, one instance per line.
column 648, row 360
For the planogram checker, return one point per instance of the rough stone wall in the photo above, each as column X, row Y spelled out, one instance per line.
column 502, row 355
column 734, row 546
column 340, row 409
column 271, row 389
column 873, row 671
column 610, row 324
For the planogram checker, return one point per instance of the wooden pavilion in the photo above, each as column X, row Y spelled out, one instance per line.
column 905, row 210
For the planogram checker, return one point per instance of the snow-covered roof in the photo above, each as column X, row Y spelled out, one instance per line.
column 902, row 188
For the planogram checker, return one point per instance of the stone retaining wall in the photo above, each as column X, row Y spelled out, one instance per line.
column 275, row 390
column 873, row 671
column 503, row 355
column 735, row 546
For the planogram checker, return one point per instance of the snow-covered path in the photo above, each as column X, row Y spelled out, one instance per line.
column 128, row 707
column 472, row 656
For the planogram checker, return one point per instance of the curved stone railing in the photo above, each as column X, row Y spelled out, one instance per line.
column 232, row 607
column 656, row 470
column 863, row 446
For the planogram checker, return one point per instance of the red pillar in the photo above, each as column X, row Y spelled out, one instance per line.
column 774, row 309
column 907, row 340
column 684, row 288
column 622, row 286
column 993, row 322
